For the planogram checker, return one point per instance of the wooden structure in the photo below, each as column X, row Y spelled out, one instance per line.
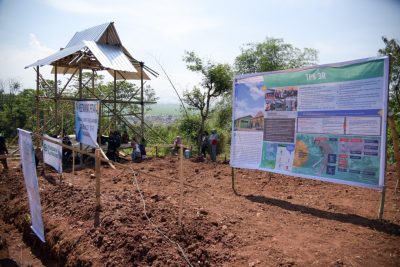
column 95, row 49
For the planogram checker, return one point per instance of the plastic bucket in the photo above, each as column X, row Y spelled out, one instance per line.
column 187, row 153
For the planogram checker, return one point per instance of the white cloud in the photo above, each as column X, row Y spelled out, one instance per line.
column 174, row 19
column 13, row 60
column 256, row 93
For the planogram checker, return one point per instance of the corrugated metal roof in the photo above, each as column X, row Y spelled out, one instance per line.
column 91, row 34
column 104, row 43
column 110, row 57
column 56, row 56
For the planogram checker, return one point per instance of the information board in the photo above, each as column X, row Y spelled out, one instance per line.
column 87, row 122
column 325, row 122
column 52, row 153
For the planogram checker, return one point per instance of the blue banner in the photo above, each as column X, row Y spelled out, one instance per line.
column 87, row 122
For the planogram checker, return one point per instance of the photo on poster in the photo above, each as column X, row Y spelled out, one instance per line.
column 249, row 103
column 268, row 158
column 281, row 99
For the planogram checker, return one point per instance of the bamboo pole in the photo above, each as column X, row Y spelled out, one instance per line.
column 381, row 203
column 73, row 162
column 56, row 101
column 233, row 181
column 141, row 101
column 396, row 150
column 181, row 185
column 37, row 106
column 98, row 175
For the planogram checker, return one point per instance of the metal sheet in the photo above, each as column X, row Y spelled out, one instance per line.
column 56, row 56
column 110, row 56
column 91, row 34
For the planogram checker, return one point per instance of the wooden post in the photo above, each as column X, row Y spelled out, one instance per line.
column 73, row 162
column 37, row 106
column 233, row 181
column 98, row 174
column 43, row 164
column 141, row 100
column 80, row 97
column 181, row 185
column 156, row 152
column 56, row 101
column 115, row 102
column 396, row 150
column 382, row 203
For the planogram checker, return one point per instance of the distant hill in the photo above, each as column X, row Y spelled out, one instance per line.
column 164, row 109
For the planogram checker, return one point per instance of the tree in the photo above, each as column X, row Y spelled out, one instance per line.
column 216, row 82
column 273, row 54
column 392, row 49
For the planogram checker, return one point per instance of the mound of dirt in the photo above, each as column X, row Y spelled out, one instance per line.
column 275, row 220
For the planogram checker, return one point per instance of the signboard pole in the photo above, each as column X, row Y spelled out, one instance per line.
column 382, row 203
column 98, row 174
column 233, row 181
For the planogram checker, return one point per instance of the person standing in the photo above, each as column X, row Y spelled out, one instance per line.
column 214, row 139
column 136, row 155
column 177, row 145
column 3, row 151
column 204, row 144
column 142, row 147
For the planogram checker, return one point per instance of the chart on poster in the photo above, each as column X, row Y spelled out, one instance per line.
column 324, row 122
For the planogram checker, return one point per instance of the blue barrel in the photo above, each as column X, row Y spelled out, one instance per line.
column 187, row 153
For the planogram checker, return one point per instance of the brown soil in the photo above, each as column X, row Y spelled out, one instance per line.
column 275, row 221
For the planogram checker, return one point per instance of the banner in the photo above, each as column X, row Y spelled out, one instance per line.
column 323, row 122
column 31, row 181
column 52, row 153
column 87, row 122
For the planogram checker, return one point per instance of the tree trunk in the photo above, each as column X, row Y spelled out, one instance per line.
column 200, row 135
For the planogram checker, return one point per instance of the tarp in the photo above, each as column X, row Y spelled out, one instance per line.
column 52, row 153
column 323, row 122
column 31, row 181
column 87, row 122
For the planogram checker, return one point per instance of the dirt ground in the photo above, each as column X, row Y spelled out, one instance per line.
column 274, row 220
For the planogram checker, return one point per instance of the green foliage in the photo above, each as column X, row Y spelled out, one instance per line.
column 392, row 49
column 16, row 109
column 216, row 82
column 273, row 54
column 189, row 127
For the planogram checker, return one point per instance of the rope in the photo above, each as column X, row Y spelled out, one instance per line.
column 155, row 227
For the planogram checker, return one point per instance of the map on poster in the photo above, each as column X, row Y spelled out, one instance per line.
column 324, row 122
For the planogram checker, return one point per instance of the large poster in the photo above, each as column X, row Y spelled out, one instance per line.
column 52, row 153
column 31, row 181
column 323, row 122
column 87, row 122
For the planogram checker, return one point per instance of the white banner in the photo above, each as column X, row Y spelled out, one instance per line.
column 87, row 122
column 31, row 181
column 52, row 153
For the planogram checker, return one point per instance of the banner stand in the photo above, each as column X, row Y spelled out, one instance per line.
column 382, row 203
column 233, row 182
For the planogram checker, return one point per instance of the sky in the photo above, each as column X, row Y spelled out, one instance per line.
column 161, row 31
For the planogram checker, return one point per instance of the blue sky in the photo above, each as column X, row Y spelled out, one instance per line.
column 339, row 29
